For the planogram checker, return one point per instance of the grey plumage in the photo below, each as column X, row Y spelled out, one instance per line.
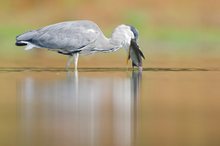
column 64, row 36
column 77, row 37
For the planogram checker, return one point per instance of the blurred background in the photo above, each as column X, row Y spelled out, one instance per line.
column 173, row 33
column 103, row 107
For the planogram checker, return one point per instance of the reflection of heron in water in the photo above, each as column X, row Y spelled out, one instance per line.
column 74, row 110
column 135, row 89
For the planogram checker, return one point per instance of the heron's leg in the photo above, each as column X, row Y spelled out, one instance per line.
column 140, row 68
column 76, row 57
column 70, row 59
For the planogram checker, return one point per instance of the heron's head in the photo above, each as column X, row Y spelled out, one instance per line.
column 123, row 34
column 127, row 37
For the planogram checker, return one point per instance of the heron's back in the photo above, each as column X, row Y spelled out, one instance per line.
column 64, row 36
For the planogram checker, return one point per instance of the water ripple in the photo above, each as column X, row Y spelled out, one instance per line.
column 59, row 69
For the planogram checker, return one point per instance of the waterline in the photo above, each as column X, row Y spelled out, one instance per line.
column 60, row 69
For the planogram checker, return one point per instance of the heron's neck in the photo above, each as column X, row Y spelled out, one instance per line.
column 108, row 44
column 113, row 43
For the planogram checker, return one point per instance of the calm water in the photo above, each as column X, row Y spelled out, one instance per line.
column 109, row 107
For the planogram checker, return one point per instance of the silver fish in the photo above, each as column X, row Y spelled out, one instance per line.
column 135, row 54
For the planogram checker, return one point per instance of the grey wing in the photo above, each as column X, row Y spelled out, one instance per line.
column 65, row 37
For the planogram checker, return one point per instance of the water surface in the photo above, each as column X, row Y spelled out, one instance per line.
column 109, row 106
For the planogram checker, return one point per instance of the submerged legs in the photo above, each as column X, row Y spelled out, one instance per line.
column 69, row 61
column 72, row 57
column 76, row 57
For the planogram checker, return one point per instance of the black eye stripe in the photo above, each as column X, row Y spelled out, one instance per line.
column 135, row 32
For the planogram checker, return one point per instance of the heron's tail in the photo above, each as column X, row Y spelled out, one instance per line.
column 20, row 43
column 26, row 39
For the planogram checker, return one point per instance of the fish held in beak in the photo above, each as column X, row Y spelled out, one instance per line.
column 135, row 54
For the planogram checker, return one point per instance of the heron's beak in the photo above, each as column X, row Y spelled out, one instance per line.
column 135, row 54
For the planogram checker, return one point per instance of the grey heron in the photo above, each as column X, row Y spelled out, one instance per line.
column 74, row 38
